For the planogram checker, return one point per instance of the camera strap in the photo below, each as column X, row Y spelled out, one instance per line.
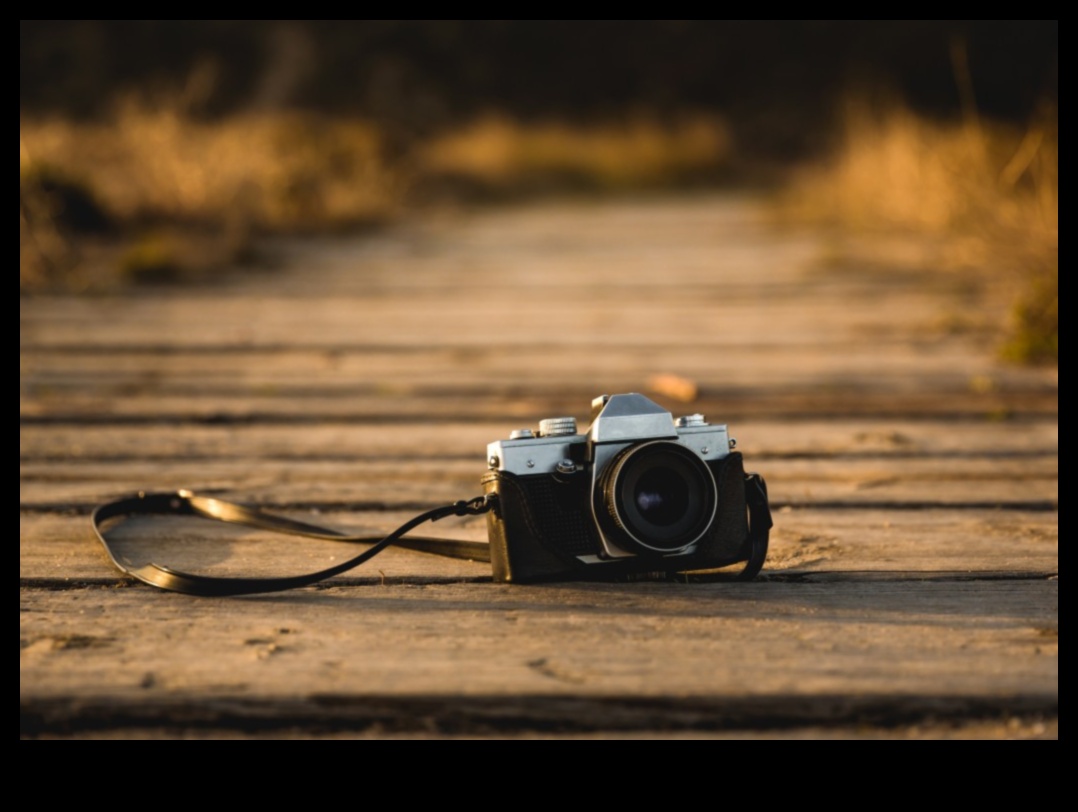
column 760, row 524
column 186, row 503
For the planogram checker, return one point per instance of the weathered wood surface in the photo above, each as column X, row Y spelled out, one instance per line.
column 911, row 588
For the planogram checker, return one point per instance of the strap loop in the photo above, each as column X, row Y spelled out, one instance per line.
column 186, row 503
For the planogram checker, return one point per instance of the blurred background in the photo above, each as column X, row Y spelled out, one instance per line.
column 158, row 150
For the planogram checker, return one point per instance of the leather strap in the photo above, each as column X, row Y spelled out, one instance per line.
column 186, row 503
column 760, row 524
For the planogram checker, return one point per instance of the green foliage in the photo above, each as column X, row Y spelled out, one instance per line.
column 1035, row 336
column 152, row 259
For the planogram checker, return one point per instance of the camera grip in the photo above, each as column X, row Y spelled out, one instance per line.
column 518, row 552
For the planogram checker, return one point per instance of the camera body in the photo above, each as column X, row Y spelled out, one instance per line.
column 638, row 494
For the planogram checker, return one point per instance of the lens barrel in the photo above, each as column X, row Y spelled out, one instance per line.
column 658, row 497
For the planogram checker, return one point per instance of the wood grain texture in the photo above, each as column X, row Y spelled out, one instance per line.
column 583, row 639
column 911, row 588
column 807, row 438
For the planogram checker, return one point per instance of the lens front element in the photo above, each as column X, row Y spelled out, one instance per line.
column 660, row 495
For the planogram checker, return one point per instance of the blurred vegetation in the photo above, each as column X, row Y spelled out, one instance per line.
column 146, row 172
column 215, row 185
column 498, row 156
column 155, row 150
column 282, row 170
column 985, row 194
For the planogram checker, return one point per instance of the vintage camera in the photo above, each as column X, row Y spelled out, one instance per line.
column 638, row 494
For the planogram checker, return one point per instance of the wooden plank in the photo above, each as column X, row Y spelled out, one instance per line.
column 496, row 317
column 760, row 439
column 481, row 390
column 811, row 540
column 796, row 644
column 396, row 404
column 805, row 543
column 341, row 374
column 490, row 317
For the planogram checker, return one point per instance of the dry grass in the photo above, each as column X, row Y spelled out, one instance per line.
column 278, row 171
column 171, row 196
column 500, row 154
column 987, row 196
column 182, row 196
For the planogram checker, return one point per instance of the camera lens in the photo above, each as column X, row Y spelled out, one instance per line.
column 660, row 496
